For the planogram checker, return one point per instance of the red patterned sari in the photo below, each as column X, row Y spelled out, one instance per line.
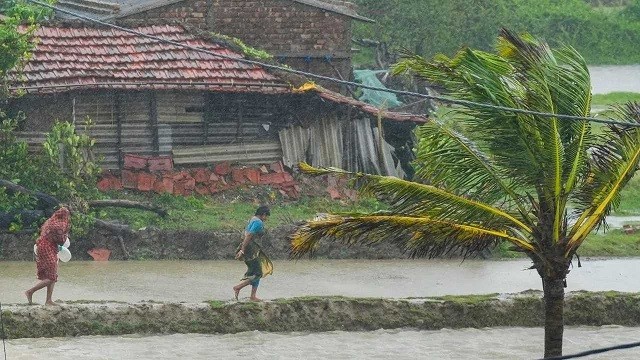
column 53, row 232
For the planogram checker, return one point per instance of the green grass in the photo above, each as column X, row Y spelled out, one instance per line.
column 614, row 98
column 612, row 243
column 214, row 213
column 630, row 198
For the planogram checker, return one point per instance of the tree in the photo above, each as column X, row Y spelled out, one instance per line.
column 540, row 183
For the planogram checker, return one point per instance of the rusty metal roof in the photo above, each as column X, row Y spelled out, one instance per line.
column 337, row 98
column 68, row 57
column 370, row 109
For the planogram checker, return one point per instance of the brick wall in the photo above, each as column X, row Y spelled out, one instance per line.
column 298, row 35
column 191, row 12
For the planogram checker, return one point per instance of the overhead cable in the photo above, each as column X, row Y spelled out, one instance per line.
column 334, row 80
column 594, row 351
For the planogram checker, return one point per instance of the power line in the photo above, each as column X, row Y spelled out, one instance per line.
column 338, row 81
column 594, row 351
column 4, row 346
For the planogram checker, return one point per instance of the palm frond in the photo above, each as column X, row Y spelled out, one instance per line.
column 408, row 197
column 419, row 236
column 447, row 159
column 614, row 161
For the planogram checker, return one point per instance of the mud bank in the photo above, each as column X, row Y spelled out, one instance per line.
column 155, row 244
column 316, row 314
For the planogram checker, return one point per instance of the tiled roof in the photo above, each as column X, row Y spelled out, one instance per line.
column 88, row 57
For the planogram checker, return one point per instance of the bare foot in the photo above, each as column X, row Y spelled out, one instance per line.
column 51, row 303
column 255, row 299
column 29, row 296
column 236, row 292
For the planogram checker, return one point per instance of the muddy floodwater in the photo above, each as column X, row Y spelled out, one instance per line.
column 196, row 281
column 612, row 78
column 489, row 344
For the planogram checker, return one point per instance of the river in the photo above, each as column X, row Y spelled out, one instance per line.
column 197, row 281
column 614, row 78
column 489, row 344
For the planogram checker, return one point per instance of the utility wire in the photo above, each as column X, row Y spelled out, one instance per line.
column 4, row 346
column 594, row 351
column 338, row 81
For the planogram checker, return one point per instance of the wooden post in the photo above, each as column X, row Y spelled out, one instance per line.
column 153, row 122
column 119, row 117
column 207, row 117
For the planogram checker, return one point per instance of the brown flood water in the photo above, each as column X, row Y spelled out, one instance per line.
column 483, row 344
column 196, row 281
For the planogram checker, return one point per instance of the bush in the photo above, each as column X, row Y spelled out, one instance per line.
column 601, row 31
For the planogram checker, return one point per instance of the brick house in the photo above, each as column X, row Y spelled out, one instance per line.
column 309, row 35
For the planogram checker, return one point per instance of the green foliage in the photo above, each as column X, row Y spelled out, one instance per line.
column 15, row 43
column 430, row 27
column 14, row 155
column 247, row 50
column 63, row 168
column 68, row 156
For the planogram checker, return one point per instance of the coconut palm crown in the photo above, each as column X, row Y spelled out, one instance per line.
column 541, row 183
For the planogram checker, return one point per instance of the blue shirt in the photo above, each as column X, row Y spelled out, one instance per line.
column 255, row 226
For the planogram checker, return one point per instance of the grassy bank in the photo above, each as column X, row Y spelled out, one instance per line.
column 614, row 98
column 229, row 211
column 315, row 314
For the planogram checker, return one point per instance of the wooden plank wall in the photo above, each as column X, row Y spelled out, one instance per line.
column 191, row 122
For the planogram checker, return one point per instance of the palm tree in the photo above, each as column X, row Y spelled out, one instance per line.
column 540, row 183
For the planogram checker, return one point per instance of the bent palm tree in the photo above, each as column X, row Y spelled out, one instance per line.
column 506, row 176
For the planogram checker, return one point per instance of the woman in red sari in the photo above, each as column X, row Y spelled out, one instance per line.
column 53, row 232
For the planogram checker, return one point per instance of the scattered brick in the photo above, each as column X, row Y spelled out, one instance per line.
column 274, row 178
column 202, row 189
column 164, row 185
column 201, row 176
column 129, row 179
column 277, row 167
column 135, row 162
column 161, row 163
column 253, row 175
column 104, row 184
column 238, row 175
column 189, row 183
column 222, row 168
column 100, row 254
column 146, row 181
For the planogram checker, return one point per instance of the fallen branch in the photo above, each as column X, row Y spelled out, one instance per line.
column 127, row 204
column 113, row 227
column 124, row 248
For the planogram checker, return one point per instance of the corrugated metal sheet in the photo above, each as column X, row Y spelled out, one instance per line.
column 245, row 153
column 326, row 143
column 295, row 143
column 352, row 146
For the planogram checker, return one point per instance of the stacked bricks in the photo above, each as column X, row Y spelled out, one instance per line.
column 157, row 174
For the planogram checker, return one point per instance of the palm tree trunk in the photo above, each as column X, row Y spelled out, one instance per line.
column 553, row 316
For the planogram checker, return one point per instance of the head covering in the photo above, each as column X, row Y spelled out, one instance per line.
column 58, row 223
